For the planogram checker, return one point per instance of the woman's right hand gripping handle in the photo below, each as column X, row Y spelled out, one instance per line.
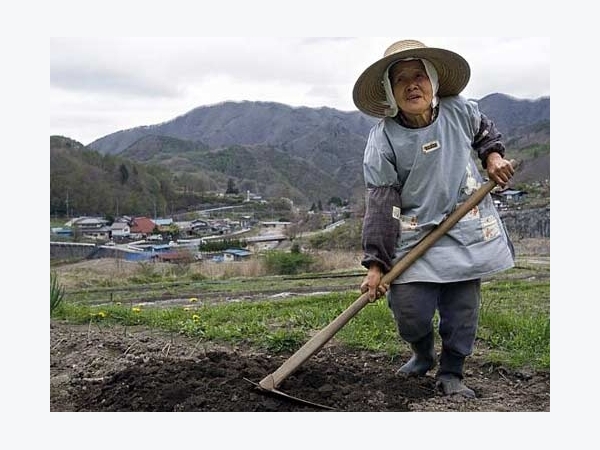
column 371, row 283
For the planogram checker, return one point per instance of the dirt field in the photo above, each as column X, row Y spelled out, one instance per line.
column 116, row 368
column 135, row 369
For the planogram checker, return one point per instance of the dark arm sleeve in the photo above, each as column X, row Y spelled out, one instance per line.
column 487, row 140
column 380, row 229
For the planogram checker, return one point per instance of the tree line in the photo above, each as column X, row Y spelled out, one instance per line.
column 86, row 182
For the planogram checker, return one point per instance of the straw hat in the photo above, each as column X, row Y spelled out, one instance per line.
column 453, row 73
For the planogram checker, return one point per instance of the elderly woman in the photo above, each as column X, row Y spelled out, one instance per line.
column 418, row 167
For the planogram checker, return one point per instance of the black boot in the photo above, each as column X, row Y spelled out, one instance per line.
column 423, row 358
column 450, row 375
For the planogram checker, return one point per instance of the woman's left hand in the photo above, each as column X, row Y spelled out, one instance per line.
column 499, row 169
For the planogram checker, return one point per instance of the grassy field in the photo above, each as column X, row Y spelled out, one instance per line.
column 514, row 324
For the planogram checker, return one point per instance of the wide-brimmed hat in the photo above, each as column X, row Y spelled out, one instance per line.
column 453, row 74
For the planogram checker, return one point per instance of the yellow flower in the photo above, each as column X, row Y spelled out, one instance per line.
column 102, row 314
column 195, row 317
column 186, row 308
column 193, row 299
column 136, row 309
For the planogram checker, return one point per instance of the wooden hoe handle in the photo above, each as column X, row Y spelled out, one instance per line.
column 272, row 381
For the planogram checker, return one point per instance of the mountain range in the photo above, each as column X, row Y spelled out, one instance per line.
column 305, row 154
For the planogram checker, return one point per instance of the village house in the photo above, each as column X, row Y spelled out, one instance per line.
column 142, row 227
column 504, row 198
column 235, row 254
column 120, row 230
column 91, row 227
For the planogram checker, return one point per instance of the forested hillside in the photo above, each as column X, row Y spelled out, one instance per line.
column 272, row 150
column 87, row 182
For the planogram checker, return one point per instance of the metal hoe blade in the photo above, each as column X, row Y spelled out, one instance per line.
column 289, row 397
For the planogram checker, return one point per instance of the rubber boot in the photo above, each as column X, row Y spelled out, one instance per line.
column 450, row 375
column 423, row 358
column 451, row 384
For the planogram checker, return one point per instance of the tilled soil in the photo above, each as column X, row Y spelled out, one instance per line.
column 116, row 368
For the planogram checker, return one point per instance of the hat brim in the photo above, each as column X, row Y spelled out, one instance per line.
column 453, row 75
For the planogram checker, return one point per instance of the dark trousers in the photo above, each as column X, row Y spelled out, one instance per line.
column 414, row 304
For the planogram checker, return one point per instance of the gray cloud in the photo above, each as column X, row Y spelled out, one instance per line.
column 109, row 80
column 141, row 81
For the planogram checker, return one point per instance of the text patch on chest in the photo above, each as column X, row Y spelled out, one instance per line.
column 431, row 146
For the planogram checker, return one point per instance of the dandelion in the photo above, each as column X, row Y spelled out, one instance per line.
column 136, row 309
column 193, row 299
column 186, row 308
column 195, row 317
column 102, row 314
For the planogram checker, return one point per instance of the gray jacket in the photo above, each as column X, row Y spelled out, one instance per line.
column 415, row 178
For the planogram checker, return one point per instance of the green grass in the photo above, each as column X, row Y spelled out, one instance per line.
column 57, row 292
column 514, row 322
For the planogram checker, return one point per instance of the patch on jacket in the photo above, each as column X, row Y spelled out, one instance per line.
column 408, row 223
column 431, row 146
column 472, row 214
column 471, row 183
column 490, row 227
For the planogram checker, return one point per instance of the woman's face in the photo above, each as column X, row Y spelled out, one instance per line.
column 411, row 86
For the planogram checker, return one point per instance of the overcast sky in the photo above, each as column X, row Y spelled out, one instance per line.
column 102, row 85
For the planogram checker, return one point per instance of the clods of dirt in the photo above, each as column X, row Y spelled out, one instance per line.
column 136, row 369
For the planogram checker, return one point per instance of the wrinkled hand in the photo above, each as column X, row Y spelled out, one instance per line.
column 371, row 284
column 499, row 169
